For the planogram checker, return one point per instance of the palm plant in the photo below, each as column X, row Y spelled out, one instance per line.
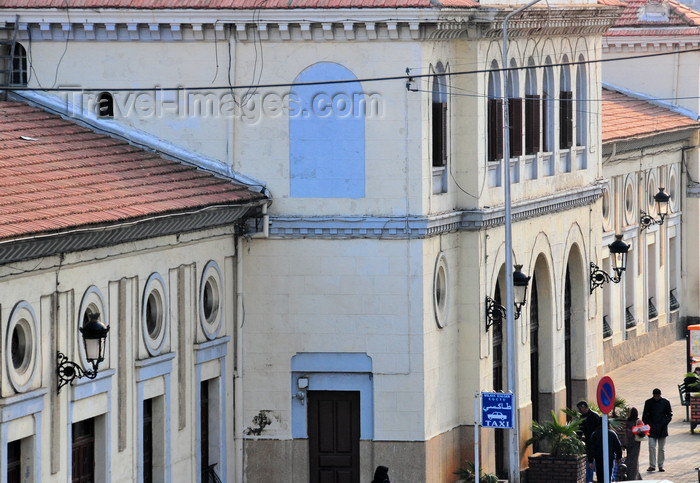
column 467, row 473
column 556, row 438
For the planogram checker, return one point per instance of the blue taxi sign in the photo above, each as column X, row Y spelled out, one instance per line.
column 497, row 410
column 606, row 394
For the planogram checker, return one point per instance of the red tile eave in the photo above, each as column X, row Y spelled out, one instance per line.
column 237, row 4
column 69, row 177
column 627, row 118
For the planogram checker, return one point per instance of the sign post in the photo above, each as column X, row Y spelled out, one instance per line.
column 606, row 402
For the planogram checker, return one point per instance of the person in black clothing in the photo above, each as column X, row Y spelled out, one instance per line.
column 591, row 422
column 657, row 414
column 594, row 452
column 381, row 475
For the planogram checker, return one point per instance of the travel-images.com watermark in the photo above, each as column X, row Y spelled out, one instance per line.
column 249, row 108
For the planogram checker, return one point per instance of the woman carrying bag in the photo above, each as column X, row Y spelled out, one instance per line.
column 636, row 432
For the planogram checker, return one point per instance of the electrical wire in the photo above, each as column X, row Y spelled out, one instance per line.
column 403, row 77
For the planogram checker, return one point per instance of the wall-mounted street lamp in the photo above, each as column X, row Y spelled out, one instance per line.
column 496, row 312
column 618, row 251
column 94, row 335
column 661, row 198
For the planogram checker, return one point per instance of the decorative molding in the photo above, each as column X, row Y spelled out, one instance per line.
column 416, row 227
column 318, row 24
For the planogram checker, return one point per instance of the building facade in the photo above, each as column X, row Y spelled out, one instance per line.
column 362, row 290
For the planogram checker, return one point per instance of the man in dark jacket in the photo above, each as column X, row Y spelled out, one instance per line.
column 657, row 414
column 594, row 451
column 591, row 422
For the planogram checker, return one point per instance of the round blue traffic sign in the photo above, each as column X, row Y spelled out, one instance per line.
column 606, row 394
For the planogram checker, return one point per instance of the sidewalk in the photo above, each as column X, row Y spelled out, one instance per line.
column 634, row 382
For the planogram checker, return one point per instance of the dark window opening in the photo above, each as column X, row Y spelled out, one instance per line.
column 532, row 124
column 148, row 441
column 515, row 126
column 495, row 129
column 18, row 69
column 566, row 119
column 439, row 127
column 14, row 462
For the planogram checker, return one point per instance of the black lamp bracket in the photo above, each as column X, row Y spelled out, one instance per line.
column 648, row 220
column 599, row 277
column 67, row 371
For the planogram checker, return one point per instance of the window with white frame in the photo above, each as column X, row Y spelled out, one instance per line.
column 494, row 115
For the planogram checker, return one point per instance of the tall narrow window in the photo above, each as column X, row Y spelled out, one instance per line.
column 515, row 113
column 548, row 107
column 581, row 104
column 148, row 441
column 83, row 449
column 532, row 112
column 14, row 462
column 439, row 128
column 18, row 75
column 494, row 116
column 566, row 118
column 204, row 427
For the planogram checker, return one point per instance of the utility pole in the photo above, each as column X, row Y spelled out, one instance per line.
column 514, row 441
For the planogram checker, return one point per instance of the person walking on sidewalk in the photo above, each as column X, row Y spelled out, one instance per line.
column 633, row 444
column 595, row 455
column 591, row 422
column 657, row 414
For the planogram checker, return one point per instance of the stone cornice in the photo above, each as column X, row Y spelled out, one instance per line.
column 416, row 227
column 629, row 43
column 299, row 25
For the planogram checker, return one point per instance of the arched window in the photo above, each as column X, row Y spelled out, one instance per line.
column 18, row 72
column 581, row 104
column 494, row 115
column 515, row 112
column 105, row 105
column 327, row 134
column 532, row 111
column 566, row 118
column 439, row 119
column 548, row 106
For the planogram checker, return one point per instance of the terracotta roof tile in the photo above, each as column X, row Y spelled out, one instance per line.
column 236, row 4
column 678, row 20
column 627, row 117
column 70, row 176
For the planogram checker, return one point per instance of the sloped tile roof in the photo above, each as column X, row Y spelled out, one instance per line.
column 680, row 20
column 57, row 175
column 627, row 117
column 236, row 4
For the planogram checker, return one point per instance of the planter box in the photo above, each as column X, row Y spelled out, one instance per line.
column 561, row 469
column 695, row 408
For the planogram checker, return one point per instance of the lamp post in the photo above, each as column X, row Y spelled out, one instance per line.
column 495, row 313
column 661, row 198
column 618, row 251
column 94, row 335
column 514, row 441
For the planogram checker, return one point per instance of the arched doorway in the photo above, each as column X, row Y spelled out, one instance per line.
column 568, row 377
column 575, row 296
column 498, row 381
column 534, row 351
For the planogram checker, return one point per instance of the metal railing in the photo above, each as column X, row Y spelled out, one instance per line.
column 209, row 475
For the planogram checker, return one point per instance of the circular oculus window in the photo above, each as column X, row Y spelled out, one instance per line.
column 21, row 349
column 440, row 293
column 672, row 190
column 630, row 217
column 154, row 314
column 651, row 191
column 605, row 209
column 210, row 300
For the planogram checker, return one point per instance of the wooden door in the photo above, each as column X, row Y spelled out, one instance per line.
column 334, row 436
column 84, row 451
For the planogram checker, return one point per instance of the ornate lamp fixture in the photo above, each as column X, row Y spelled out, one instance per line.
column 94, row 335
column 661, row 198
column 618, row 251
column 495, row 313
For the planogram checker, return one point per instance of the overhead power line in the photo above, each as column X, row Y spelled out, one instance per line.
column 405, row 77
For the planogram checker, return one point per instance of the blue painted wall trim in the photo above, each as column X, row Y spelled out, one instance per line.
column 326, row 135
column 331, row 371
